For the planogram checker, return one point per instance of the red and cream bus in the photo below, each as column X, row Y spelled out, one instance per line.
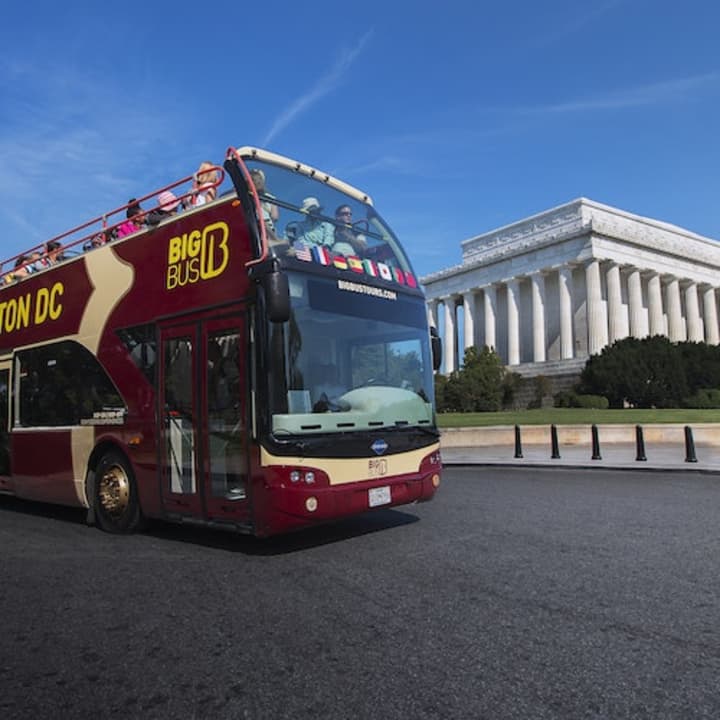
column 226, row 366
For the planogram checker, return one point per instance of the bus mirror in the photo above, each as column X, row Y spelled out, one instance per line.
column 436, row 346
column 277, row 296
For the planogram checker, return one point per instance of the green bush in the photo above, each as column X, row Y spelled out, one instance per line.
column 565, row 399
column 592, row 402
column 569, row 399
column 647, row 373
column 703, row 399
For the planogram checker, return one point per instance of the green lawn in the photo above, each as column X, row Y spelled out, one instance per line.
column 577, row 416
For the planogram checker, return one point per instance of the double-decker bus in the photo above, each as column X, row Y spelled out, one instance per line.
column 259, row 362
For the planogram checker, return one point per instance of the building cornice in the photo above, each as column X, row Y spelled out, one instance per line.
column 581, row 217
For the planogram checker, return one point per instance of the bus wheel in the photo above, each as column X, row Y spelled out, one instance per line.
column 116, row 504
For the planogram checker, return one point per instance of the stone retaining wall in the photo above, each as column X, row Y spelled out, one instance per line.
column 707, row 434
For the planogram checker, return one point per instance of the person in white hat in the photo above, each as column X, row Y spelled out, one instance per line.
column 314, row 230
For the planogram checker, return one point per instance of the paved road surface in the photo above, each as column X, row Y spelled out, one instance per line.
column 517, row 593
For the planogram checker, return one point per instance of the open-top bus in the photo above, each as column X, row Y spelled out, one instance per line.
column 221, row 367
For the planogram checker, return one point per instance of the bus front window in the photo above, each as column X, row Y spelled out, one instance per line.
column 350, row 361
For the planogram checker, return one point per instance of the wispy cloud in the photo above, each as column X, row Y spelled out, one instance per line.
column 326, row 84
column 573, row 23
column 658, row 93
column 71, row 146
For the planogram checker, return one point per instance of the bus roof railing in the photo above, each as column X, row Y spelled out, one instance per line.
column 100, row 226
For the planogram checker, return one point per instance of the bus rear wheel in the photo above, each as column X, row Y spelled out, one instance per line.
column 115, row 501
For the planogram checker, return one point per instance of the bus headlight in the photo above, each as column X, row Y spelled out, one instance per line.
column 295, row 476
column 310, row 477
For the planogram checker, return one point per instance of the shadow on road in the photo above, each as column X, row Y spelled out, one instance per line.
column 9, row 503
column 375, row 521
column 370, row 522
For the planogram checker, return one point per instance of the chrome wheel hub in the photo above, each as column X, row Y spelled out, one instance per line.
column 114, row 491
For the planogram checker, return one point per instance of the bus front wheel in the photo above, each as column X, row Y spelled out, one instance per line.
column 115, row 500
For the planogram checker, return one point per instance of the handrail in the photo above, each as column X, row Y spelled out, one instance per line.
column 231, row 151
column 104, row 228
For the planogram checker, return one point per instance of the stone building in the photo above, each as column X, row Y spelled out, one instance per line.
column 548, row 291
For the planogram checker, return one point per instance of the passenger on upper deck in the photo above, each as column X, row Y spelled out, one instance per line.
column 270, row 211
column 135, row 219
column 204, row 189
column 54, row 253
column 37, row 262
column 168, row 205
column 313, row 230
column 347, row 241
column 20, row 270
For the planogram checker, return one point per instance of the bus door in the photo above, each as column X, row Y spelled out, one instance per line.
column 202, row 403
column 5, row 424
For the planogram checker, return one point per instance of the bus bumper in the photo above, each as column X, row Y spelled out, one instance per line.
column 291, row 508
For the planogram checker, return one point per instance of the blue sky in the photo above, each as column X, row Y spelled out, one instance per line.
column 457, row 117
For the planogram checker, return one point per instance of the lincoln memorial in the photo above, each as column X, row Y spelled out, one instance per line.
column 548, row 291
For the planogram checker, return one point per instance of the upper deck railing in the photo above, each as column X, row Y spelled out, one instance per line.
column 102, row 229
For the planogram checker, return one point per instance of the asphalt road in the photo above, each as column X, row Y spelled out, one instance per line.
column 515, row 594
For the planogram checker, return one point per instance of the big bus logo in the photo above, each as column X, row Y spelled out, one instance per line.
column 197, row 255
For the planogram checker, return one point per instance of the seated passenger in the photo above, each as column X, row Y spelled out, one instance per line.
column 313, row 230
column 327, row 392
column 270, row 211
column 347, row 241
column 21, row 269
column 168, row 205
column 37, row 262
column 135, row 219
column 204, row 188
column 53, row 252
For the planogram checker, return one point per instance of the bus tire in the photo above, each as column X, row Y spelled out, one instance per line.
column 115, row 497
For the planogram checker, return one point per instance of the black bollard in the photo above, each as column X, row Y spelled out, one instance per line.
column 518, row 444
column 639, row 444
column 595, row 444
column 689, row 445
column 554, row 443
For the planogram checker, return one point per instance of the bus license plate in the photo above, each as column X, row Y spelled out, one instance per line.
column 379, row 496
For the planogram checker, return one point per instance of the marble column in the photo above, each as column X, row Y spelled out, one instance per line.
column 712, row 336
column 597, row 323
column 566, row 315
column 674, row 311
column 490, row 309
column 469, row 319
column 635, row 304
column 449, row 339
column 617, row 318
column 513, row 322
column 692, row 309
column 655, row 310
column 433, row 313
column 537, row 285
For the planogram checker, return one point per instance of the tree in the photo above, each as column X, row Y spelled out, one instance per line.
column 643, row 373
column 478, row 385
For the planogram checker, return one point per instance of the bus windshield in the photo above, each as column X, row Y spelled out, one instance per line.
column 352, row 357
column 302, row 212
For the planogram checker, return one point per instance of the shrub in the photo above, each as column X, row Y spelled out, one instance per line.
column 704, row 399
column 592, row 402
column 644, row 373
column 565, row 399
column 569, row 399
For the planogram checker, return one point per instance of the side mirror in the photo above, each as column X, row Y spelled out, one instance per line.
column 436, row 347
column 277, row 296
